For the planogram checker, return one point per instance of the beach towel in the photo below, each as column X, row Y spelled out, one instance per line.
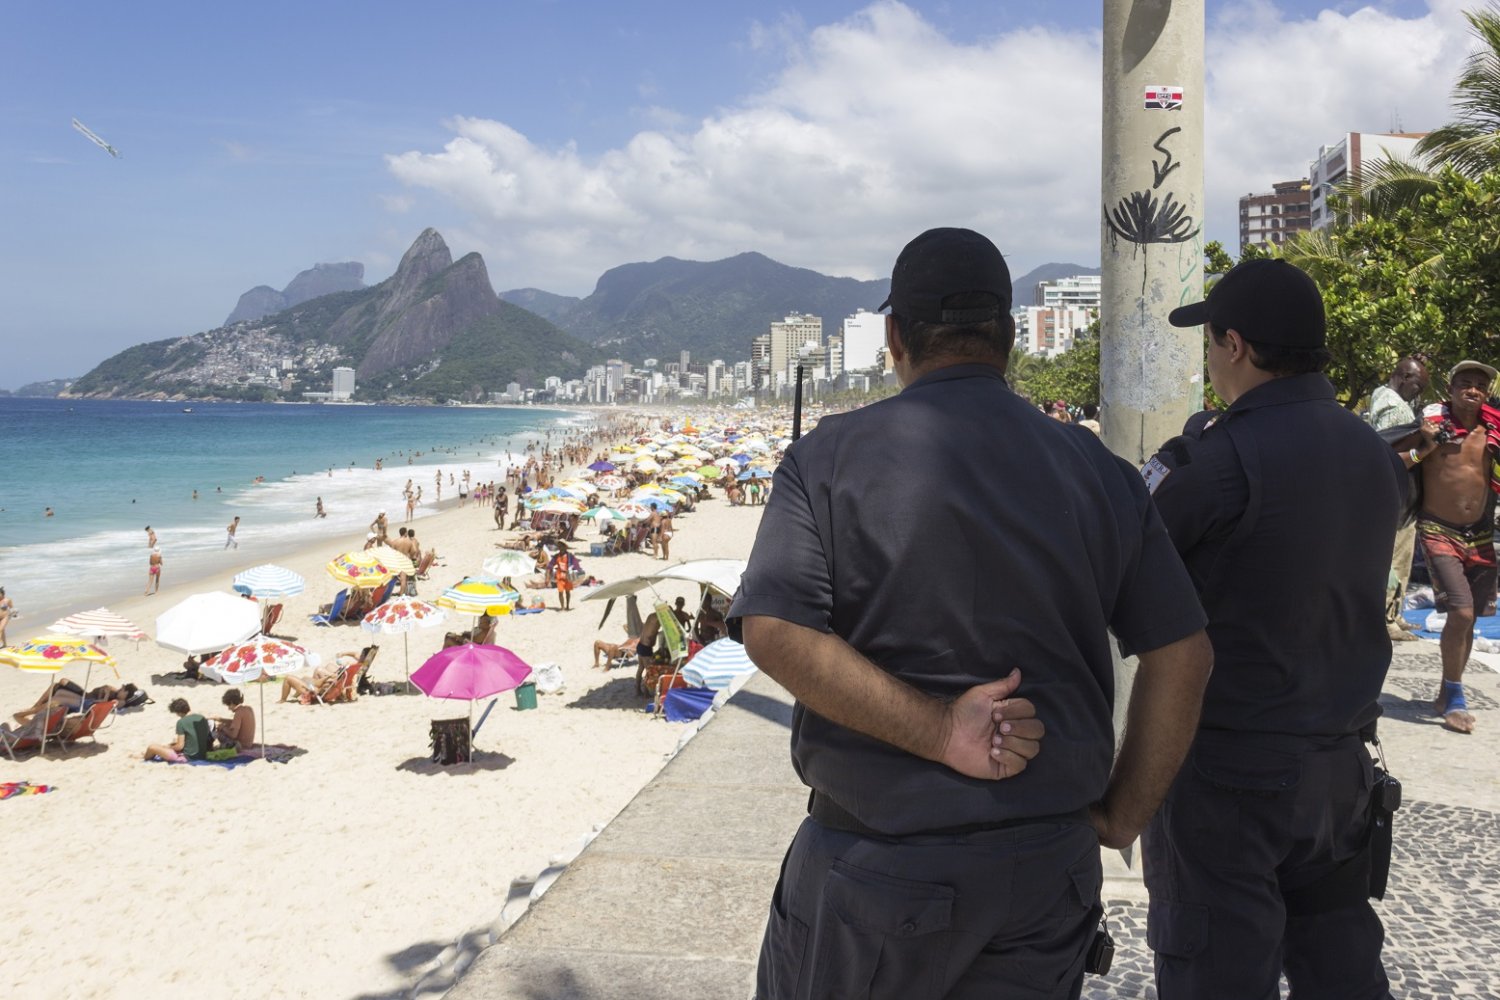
column 228, row 763
column 686, row 704
column 16, row 789
column 528, row 611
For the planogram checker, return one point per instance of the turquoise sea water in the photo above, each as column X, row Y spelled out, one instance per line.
column 108, row 468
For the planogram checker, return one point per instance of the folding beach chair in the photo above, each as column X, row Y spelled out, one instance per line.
column 99, row 715
column 676, row 641
column 335, row 610
column 30, row 736
column 342, row 688
column 269, row 616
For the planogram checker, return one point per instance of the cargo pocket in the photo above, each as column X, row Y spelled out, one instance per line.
column 880, row 936
column 1177, row 930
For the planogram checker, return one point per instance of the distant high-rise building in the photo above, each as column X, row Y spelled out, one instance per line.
column 343, row 383
column 716, row 384
column 835, row 356
column 864, row 336
column 1081, row 291
column 1268, row 220
column 685, row 359
column 615, row 371
column 760, row 361
column 1351, row 156
column 790, row 334
column 744, row 375
column 1050, row 331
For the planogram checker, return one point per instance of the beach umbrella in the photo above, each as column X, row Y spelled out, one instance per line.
column 711, row 471
column 603, row 467
column 508, row 563
column 396, row 562
column 560, row 507
column 476, row 597
column 635, row 510
column 717, row 665
column 261, row 656
column 648, row 465
column 403, row 615
column 269, row 581
column 753, row 474
column 207, row 623
column 609, row 482
column 359, row 569
column 741, row 458
column 730, row 463
column 602, row 513
column 48, row 654
column 570, row 492
column 471, row 671
column 101, row 623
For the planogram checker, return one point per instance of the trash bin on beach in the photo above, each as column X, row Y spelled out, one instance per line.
column 526, row 696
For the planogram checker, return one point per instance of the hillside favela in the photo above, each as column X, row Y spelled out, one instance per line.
column 920, row 499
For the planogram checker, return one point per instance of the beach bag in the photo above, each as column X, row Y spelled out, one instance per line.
column 450, row 741
column 549, row 678
column 137, row 698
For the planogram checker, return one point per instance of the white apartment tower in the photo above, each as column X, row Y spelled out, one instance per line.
column 864, row 338
column 343, row 383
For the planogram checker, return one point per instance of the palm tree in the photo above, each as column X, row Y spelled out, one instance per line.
column 1471, row 143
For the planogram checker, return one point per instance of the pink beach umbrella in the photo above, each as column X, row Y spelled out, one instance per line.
column 471, row 671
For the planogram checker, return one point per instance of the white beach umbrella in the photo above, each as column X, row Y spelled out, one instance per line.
column 509, row 563
column 207, row 623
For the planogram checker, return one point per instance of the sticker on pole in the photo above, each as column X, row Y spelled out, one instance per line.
column 1163, row 98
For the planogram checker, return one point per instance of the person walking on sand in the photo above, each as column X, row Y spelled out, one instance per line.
column 230, row 542
column 153, row 572
column 562, row 579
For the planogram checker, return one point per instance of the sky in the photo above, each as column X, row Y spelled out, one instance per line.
column 560, row 138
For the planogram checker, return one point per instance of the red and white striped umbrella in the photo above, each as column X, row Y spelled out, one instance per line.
column 100, row 622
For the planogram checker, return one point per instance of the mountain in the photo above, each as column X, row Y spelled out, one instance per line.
column 51, row 387
column 318, row 280
column 1023, row 289
column 712, row 309
column 434, row 329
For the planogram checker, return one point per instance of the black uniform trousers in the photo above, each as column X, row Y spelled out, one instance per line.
column 999, row 913
column 1251, row 818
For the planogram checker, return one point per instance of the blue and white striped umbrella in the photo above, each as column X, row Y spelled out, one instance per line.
column 269, row 581
column 717, row 665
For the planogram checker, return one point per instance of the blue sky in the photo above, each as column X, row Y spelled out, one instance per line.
column 560, row 139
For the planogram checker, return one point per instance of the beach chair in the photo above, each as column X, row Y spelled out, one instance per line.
column 365, row 662
column 385, row 593
column 30, row 736
column 342, row 688
column 335, row 610
column 425, row 565
column 677, row 649
column 269, row 616
column 99, row 715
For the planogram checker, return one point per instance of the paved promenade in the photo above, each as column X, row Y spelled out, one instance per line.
column 670, row 900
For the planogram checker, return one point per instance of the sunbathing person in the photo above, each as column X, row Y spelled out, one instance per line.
column 63, row 694
column 238, row 730
column 484, row 632
column 613, row 650
column 323, row 678
column 190, row 741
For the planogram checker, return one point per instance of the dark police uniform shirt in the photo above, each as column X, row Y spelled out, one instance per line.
column 949, row 534
column 1284, row 509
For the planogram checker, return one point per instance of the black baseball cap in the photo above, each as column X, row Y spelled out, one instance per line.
column 1267, row 301
column 945, row 262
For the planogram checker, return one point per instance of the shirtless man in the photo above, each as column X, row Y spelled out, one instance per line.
column 150, row 538
column 1456, row 525
column 229, row 530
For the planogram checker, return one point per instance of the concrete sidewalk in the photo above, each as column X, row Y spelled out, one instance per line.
column 671, row 899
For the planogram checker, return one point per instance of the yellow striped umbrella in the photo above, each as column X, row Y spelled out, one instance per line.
column 475, row 597
column 396, row 562
column 50, row 653
column 359, row 569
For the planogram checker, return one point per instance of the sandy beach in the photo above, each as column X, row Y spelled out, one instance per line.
column 339, row 873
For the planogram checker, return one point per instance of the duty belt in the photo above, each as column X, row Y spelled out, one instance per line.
column 834, row 816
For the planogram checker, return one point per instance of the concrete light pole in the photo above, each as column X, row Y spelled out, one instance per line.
column 1151, row 374
column 1151, row 252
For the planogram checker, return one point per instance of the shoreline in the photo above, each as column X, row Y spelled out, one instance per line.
column 346, row 838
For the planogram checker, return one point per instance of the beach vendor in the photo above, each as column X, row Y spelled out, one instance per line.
column 562, row 578
column 951, row 849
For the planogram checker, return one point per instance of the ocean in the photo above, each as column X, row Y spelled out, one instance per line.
column 109, row 468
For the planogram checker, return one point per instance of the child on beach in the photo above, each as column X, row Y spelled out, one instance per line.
column 191, row 739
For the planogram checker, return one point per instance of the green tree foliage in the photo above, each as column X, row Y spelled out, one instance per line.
column 1072, row 376
column 1471, row 142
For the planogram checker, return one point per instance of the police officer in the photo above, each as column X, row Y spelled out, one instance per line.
column 1283, row 509
column 913, row 554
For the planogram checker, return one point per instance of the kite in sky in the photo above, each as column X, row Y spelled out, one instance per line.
column 80, row 126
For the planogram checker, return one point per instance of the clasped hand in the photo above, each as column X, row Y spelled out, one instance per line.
column 990, row 735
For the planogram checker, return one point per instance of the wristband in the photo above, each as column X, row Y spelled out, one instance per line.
column 1415, row 458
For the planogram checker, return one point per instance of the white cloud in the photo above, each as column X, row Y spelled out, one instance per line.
column 879, row 126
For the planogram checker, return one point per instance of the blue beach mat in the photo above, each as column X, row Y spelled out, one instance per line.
column 1488, row 626
column 228, row 763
